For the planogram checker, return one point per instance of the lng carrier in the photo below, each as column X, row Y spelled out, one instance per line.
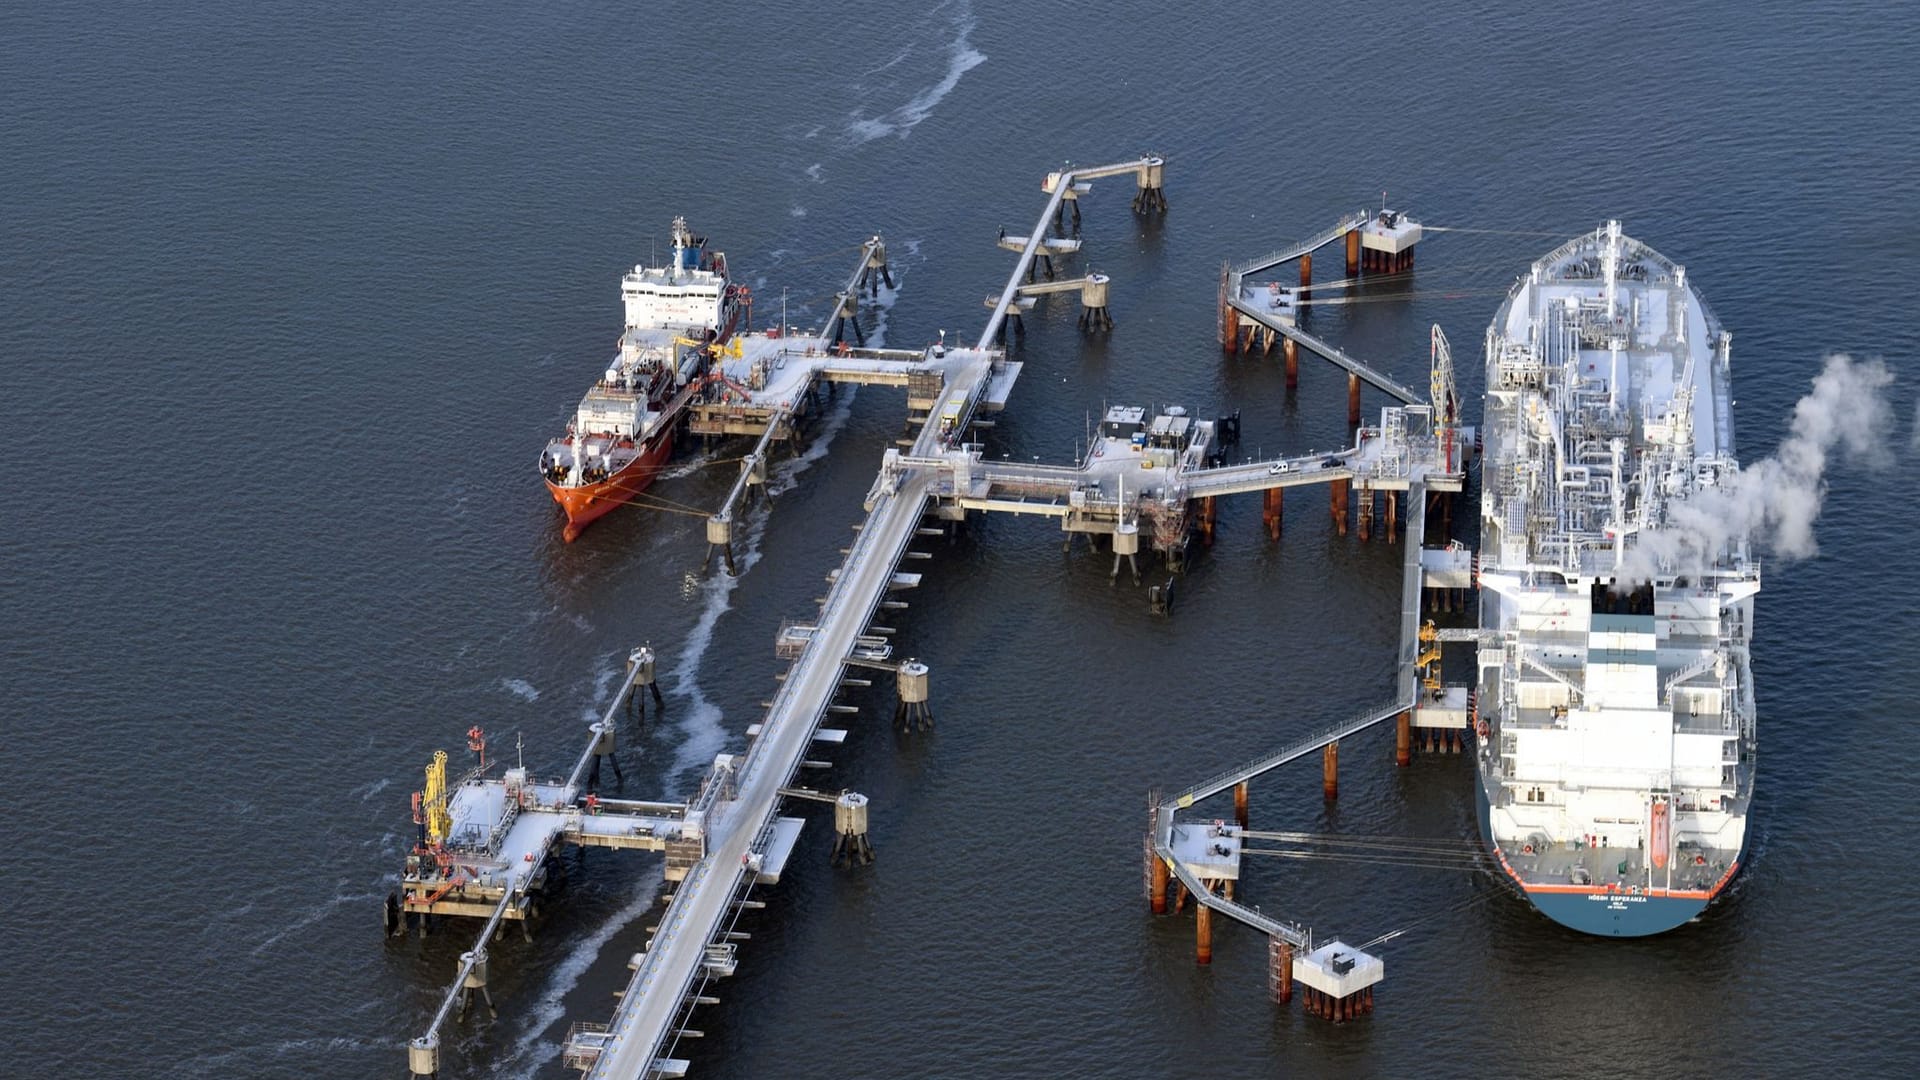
column 1615, row 702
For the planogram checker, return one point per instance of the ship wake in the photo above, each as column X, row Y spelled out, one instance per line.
column 961, row 57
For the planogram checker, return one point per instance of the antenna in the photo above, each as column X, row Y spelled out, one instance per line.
column 783, row 311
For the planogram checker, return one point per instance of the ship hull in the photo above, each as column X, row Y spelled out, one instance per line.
column 589, row 502
column 1598, row 911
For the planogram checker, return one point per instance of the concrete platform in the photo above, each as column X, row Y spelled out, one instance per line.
column 1447, row 568
column 1449, row 710
column 1338, row 970
column 1211, row 852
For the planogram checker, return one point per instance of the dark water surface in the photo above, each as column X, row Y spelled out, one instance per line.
column 291, row 295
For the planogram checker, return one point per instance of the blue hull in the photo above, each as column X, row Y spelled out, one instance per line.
column 1616, row 915
column 1604, row 914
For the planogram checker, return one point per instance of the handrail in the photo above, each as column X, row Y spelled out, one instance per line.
column 1062, row 184
column 1331, row 352
column 1332, row 733
column 572, row 786
column 1312, row 243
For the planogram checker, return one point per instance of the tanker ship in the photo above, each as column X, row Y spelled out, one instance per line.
column 1615, row 705
column 620, row 437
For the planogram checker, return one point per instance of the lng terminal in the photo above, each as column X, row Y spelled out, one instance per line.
column 1148, row 484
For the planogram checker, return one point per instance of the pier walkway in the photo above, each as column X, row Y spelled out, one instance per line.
column 1167, row 832
column 1278, row 309
column 742, row 795
column 1337, row 231
column 1284, row 325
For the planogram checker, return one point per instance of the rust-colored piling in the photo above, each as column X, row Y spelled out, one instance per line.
column 1366, row 513
column 1208, row 514
column 1353, row 253
column 1306, row 274
column 1240, row 803
column 1291, row 353
column 1203, row 935
column 1393, row 516
column 1337, row 503
column 1403, row 740
column 1353, row 400
column 1230, row 335
column 1271, row 511
column 1367, row 1001
column 1179, row 897
column 1160, row 876
column 1281, row 953
column 1330, row 770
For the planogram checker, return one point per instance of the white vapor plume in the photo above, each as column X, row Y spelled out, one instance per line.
column 1775, row 501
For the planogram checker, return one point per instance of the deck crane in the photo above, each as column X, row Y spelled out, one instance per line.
column 1446, row 400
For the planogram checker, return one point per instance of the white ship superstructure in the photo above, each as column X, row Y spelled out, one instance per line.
column 1615, row 707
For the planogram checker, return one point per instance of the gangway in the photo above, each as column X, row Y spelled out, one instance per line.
column 1165, row 821
column 1336, row 231
column 1340, row 357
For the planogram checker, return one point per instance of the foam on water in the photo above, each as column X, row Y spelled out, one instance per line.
column 531, row 1051
column 962, row 57
column 315, row 913
column 252, row 1055
column 521, row 689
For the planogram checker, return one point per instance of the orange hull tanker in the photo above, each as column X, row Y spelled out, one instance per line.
column 591, row 500
column 621, row 435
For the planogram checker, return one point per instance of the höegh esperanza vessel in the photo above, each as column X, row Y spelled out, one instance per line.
column 1615, row 705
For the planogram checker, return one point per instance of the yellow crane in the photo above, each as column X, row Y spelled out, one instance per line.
column 434, row 799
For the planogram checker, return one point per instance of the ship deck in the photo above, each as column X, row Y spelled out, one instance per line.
column 1577, row 865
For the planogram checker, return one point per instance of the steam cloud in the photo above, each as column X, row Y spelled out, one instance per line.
column 1776, row 500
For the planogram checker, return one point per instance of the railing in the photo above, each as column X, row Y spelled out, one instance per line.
column 1293, row 933
column 645, row 981
column 1255, row 767
column 585, row 1040
column 1313, row 243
